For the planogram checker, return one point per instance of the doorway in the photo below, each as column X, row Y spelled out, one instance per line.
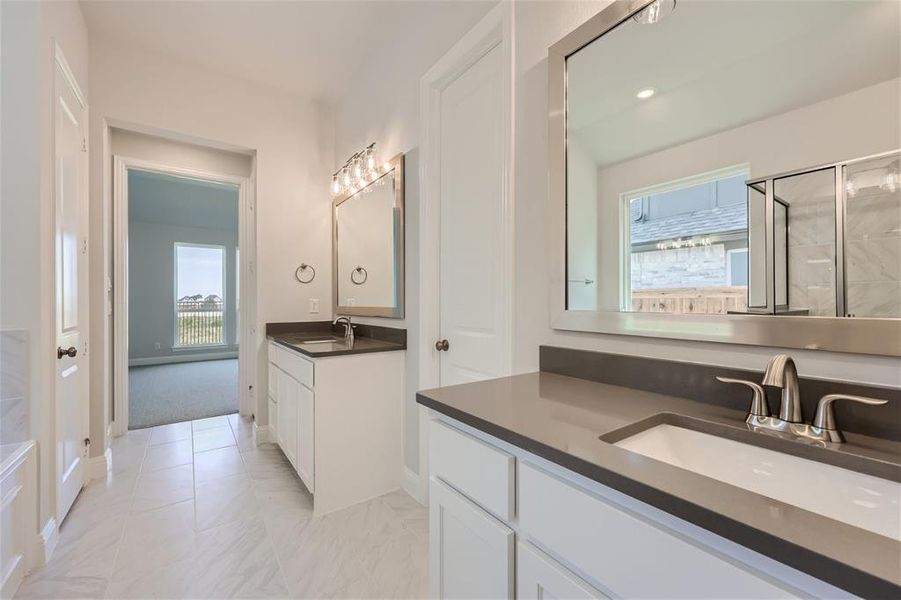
column 182, row 257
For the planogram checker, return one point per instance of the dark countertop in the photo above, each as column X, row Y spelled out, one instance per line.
column 560, row 418
column 367, row 338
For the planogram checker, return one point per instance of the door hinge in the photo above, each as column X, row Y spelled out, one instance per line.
column 87, row 441
column 85, row 351
column 84, row 245
column 84, row 145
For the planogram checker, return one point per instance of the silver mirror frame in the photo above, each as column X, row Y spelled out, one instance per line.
column 874, row 336
column 395, row 165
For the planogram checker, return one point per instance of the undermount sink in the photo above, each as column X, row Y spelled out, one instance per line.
column 858, row 499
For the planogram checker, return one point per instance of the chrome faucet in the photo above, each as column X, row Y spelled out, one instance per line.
column 348, row 328
column 781, row 372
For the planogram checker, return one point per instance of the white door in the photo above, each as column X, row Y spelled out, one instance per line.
column 538, row 576
column 474, row 300
column 305, row 433
column 70, row 246
column 471, row 553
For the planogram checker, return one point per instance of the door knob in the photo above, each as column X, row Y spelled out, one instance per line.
column 442, row 345
column 71, row 352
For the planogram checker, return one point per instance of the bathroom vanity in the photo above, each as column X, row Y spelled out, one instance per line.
column 589, row 480
column 335, row 408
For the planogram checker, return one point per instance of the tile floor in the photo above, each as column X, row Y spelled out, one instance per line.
column 194, row 510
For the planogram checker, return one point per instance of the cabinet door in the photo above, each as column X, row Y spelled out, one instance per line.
column 538, row 576
column 288, row 393
column 273, row 420
column 305, row 436
column 472, row 552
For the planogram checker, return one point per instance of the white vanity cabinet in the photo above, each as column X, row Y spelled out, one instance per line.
column 337, row 419
column 572, row 537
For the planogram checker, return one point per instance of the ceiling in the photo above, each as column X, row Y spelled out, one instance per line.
column 719, row 65
column 180, row 201
column 309, row 48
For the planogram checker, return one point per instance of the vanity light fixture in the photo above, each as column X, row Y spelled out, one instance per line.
column 655, row 12
column 357, row 172
column 645, row 93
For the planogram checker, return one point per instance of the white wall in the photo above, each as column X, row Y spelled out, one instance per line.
column 290, row 139
column 28, row 32
column 537, row 26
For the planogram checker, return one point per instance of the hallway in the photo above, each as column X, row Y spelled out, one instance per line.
column 194, row 510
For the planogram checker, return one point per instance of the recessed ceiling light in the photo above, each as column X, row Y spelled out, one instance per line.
column 645, row 93
column 655, row 12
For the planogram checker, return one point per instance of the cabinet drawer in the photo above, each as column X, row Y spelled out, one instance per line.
column 623, row 552
column 296, row 366
column 539, row 576
column 478, row 470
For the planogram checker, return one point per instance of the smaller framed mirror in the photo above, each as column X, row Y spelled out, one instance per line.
column 368, row 246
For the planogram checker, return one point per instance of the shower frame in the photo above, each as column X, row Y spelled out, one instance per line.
column 841, row 210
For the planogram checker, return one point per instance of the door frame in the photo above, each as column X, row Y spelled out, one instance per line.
column 247, row 283
column 495, row 29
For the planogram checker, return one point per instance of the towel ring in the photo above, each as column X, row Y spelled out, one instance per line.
column 363, row 272
column 304, row 267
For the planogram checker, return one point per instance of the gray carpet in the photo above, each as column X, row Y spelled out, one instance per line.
column 162, row 394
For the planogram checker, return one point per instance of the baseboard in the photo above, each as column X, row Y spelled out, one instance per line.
column 412, row 484
column 260, row 434
column 100, row 466
column 180, row 358
column 47, row 540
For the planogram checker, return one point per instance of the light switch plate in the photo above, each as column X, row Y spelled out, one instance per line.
column 314, row 306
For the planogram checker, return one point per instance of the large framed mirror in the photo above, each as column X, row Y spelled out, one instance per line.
column 730, row 171
column 368, row 245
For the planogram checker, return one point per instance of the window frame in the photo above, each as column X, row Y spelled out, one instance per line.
column 176, row 347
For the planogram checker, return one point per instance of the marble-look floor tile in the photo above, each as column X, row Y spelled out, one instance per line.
column 159, row 488
column 210, row 439
column 237, row 560
column 155, row 539
column 243, row 529
column 210, row 423
column 224, row 500
column 174, row 432
column 171, row 454
column 220, row 462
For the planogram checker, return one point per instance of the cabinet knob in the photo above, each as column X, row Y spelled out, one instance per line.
column 442, row 345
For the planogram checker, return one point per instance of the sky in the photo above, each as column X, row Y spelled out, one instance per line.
column 200, row 270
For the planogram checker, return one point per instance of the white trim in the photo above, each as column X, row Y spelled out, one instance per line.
column 63, row 64
column 411, row 484
column 181, row 358
column 260, row 434
column 246, row 240
column 100, row 466
column 496, row 28
column 48, row 538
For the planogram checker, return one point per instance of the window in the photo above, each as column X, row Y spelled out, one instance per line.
column 199, row 295
column 687, row 245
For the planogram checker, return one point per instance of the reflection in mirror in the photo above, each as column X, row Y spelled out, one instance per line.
column 669, row 120
column 369, row 249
